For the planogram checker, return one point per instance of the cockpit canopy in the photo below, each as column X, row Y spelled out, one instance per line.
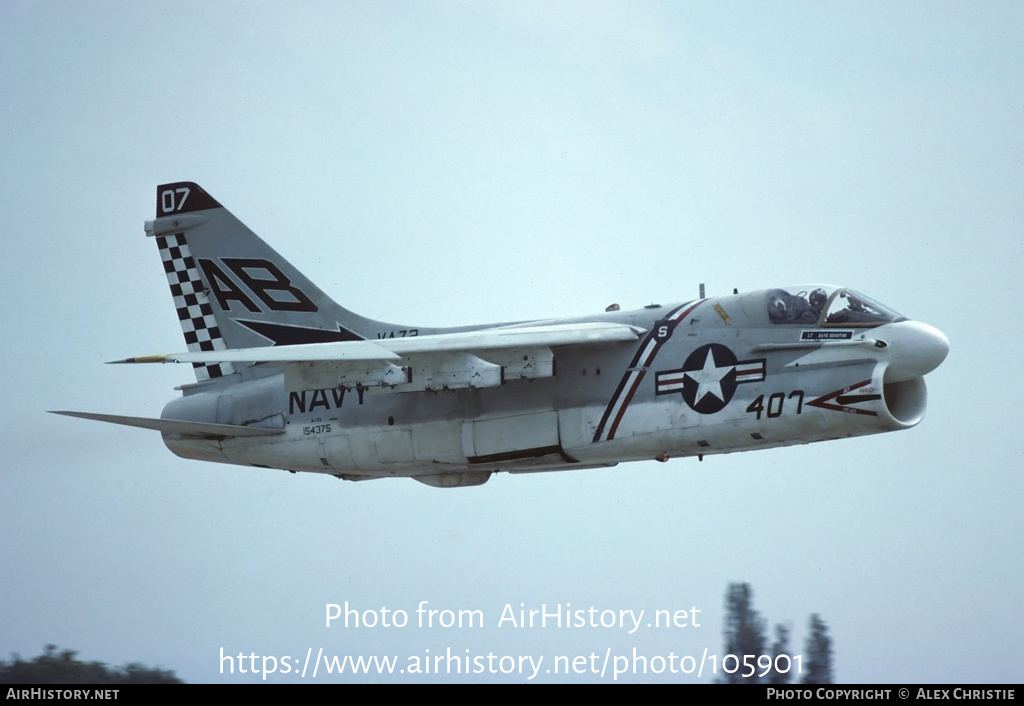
column 827, row 306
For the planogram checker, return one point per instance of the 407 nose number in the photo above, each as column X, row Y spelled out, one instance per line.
column 776, row 403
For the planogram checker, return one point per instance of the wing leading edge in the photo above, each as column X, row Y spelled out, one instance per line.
column 479, row 358
column 483, row 339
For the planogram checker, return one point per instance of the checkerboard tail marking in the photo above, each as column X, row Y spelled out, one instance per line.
column 198, row 323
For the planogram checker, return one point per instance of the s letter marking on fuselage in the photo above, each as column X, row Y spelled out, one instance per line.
column 637, row 369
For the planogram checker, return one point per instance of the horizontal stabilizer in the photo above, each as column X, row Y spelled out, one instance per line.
column 174, row 426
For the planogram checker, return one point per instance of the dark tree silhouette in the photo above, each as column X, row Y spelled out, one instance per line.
column 780, row 647
column 53, row 667
column 745, row 641
column 744, row 631
column 817, row 653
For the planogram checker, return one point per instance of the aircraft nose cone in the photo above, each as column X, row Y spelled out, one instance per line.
column 917, row 349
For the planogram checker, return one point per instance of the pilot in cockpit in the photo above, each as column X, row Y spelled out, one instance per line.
column 859, row 311
column 786, row 308
column 843, row 307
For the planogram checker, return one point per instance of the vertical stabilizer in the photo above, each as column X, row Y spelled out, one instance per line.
column 232, row 290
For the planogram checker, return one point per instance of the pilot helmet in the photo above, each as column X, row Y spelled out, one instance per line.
column 818, row 298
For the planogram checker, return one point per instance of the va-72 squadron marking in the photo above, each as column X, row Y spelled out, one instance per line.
column 276, row 361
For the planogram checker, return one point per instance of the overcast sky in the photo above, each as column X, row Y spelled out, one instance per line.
column 447, row 163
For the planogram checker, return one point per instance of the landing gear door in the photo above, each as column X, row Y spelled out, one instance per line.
column 509, row 438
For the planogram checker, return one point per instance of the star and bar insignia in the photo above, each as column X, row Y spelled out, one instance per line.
column 709, row 377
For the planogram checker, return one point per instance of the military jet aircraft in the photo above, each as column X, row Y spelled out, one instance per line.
column 288, row 379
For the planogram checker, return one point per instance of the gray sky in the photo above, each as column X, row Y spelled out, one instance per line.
column 445, row 163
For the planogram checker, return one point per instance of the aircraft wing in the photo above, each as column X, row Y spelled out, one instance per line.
column 334, row 351
column 173, row 426
column 478, row 358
